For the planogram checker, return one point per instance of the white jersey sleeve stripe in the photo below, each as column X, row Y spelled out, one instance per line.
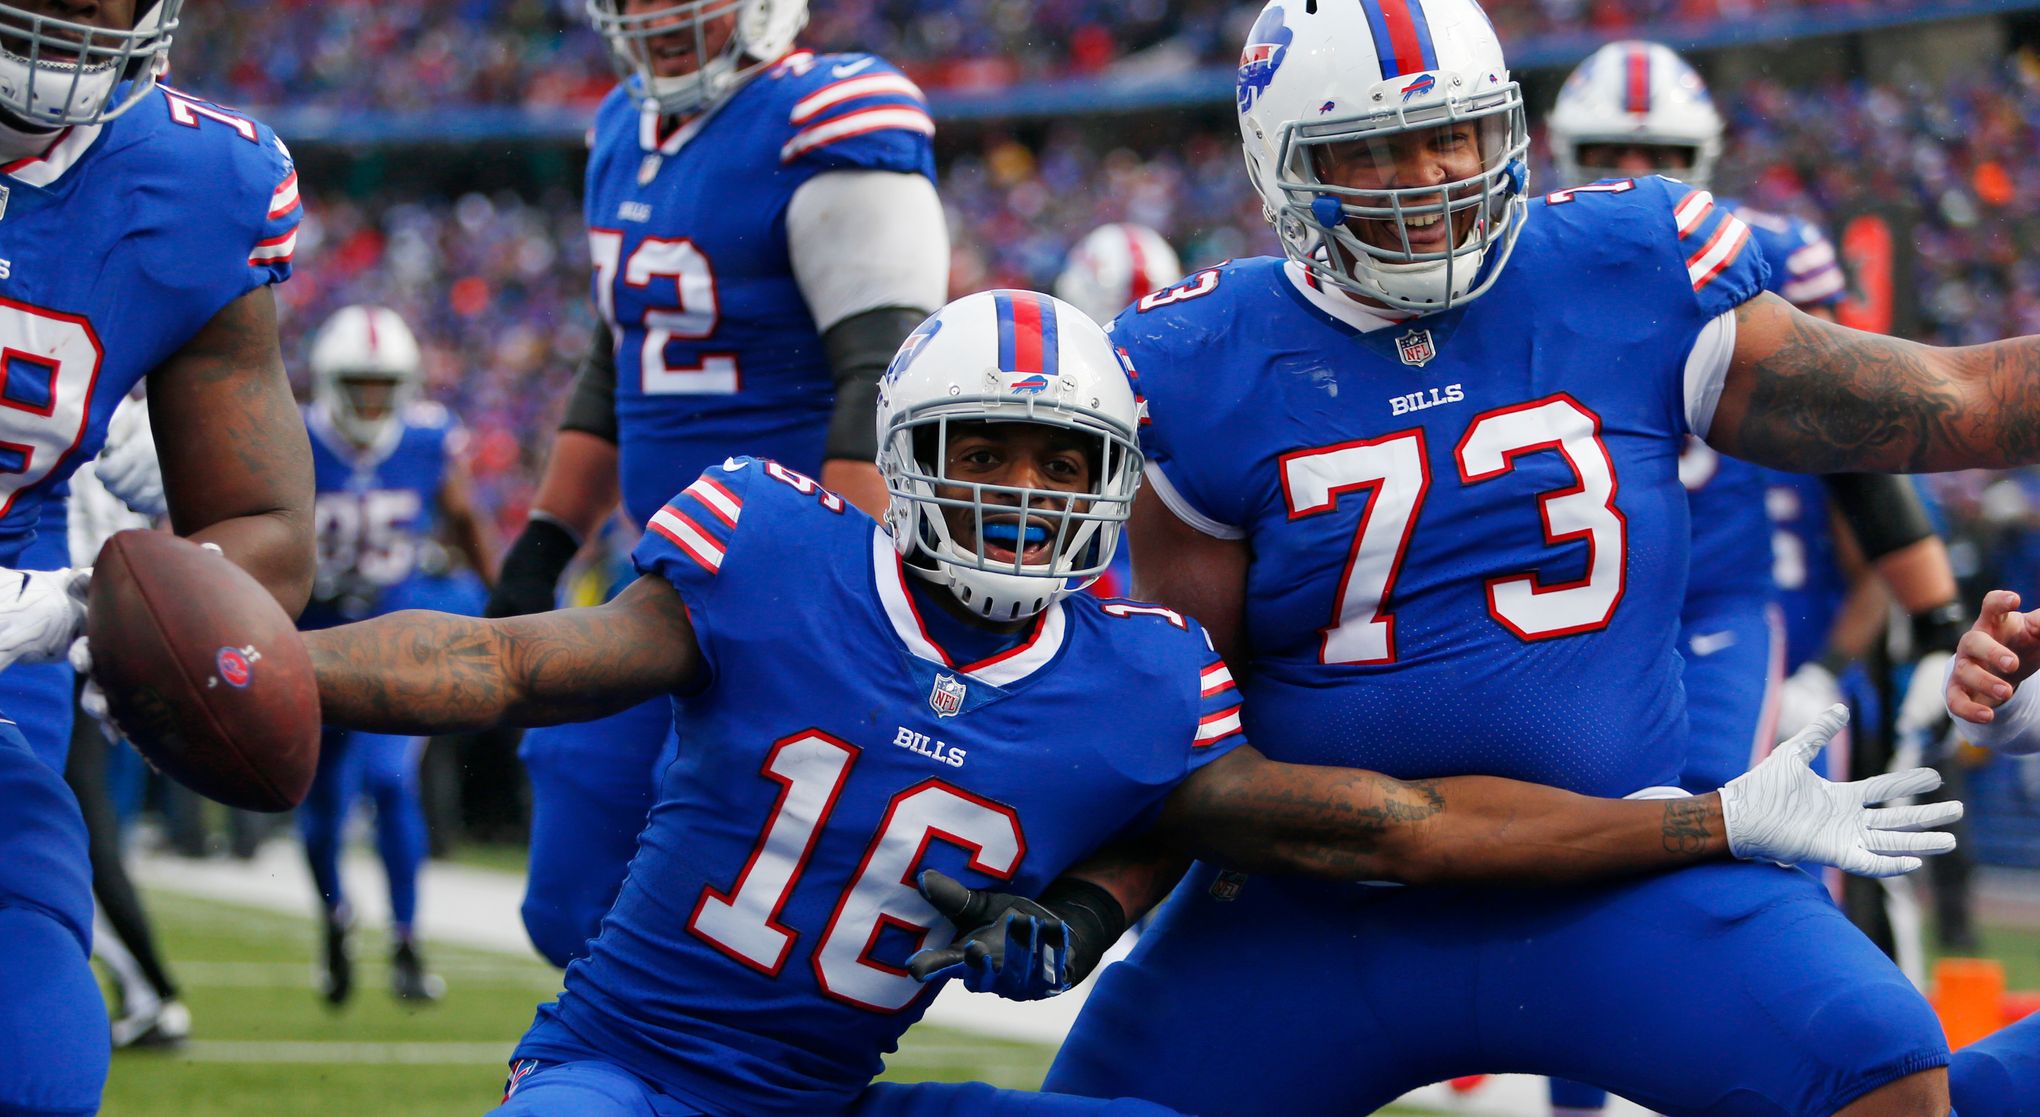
column 1823, row 284
column 1812, row 258
column 723, row 503
column 689, row 537
column 1692, row 211
column 1719, row 252
column 1212, row 728
column 1214, row 679
column 830, row 96
column 285, row 199
column 856, row 124
column 274, row 249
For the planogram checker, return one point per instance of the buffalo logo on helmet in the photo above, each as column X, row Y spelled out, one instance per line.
column 1415, row 348
column 1032, row 384
column 947, row 696
column 1423, row 84
column 911, row 348
column 1266, row 44
column 235, row 665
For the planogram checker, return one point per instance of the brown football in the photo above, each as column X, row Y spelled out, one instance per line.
column 203, row 671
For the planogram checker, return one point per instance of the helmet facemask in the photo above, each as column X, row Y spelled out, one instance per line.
column 55, row 73
column 1020, row 548
column 1346, row 219
column 730, row 41
column 366, row 406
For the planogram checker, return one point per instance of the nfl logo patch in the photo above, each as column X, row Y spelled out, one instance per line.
column 1415, row 348
column 947, row 697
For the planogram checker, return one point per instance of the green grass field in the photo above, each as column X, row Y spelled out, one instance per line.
column 264, row 1045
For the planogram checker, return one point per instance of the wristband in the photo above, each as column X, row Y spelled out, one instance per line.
column 1094, row 918
column 1938, row 629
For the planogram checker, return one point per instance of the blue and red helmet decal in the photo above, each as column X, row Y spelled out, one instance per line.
column 1267, row 44
column 1027, row 338
column 1402, row 37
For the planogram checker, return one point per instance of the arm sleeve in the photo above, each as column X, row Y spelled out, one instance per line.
column 859, row 349
column 1884, row 511
column 591, row 407
column 1707, row 371
column 867, row 240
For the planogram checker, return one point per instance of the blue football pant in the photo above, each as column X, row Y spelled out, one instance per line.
column 592, row 784
column 598, row 1089
column 1726, row 989
column 1999, row 1075
column 54, row 1043
column 1732, row 690
column 385, row 767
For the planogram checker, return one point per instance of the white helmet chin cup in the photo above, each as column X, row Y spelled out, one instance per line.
column 1006, row 357
column 763, row 31
column 1114, row 265
column 55, row 73
column 364, row 343
column 1629, row 94
column 1313, row 75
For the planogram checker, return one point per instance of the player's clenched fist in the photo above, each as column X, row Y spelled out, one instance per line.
column 1999, row 652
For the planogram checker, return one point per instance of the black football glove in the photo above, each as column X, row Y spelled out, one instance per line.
column 1005, row 944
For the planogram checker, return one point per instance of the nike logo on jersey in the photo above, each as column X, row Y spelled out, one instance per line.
column 940, row 751
column 731, row 465
column 1418, row 401
column 848, row 68
column 1707, row 643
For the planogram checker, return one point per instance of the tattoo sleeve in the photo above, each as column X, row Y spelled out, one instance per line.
column 1254, row 814
column 1816, row 397
column 418, row 672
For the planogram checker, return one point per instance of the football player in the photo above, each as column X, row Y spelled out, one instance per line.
column 1636, row 108
column 389, row 474
column 765, row 230
column 1419, row 479
column 930, row 700
column 143, row 229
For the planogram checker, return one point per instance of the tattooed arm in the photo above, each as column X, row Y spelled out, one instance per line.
column 237, row 467
column 1816, row 397
column 1251, row 813
column 423, row 673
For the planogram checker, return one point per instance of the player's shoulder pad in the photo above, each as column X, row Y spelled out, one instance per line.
column 1150, row 627
column 224, row 168
column 1200, row 306
column 615, row 116
column 850, row 111
column 703, row 519
column 428, row 415
column 1628, row 223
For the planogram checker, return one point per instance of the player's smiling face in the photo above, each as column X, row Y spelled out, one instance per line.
column 1424, row 157
column 677, row 53
column 1014, row 455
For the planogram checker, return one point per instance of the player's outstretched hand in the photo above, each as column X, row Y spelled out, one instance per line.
column 1998, row 653
column 1004, row 944
column 41, row 612
column 1783, row 811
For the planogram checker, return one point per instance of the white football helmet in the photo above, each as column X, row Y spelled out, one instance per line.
column 1368, row 81
column 361, row 345
column 764, row 30
column 1114, row 265
column 55, row 73
column 1006, row 357
column 1635, row 93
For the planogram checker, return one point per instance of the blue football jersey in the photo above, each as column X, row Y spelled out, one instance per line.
column 1805, row 271
column 755, row 957
column 116, row 245
column 375, row 506
column 716, row 351
column 1481, row 506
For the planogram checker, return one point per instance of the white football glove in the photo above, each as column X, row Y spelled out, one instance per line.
column 127, row 465
column 1806, row 693
column 1782, row 811
column 41, row 612
column 91, row 698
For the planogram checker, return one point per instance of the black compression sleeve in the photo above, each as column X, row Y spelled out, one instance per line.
column 1094, row 917
column 1939, row 629
column 1884, row 511
column 531, row 568
column 591, row 408
column 859, row 348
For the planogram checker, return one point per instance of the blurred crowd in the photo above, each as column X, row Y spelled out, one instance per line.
column 365, row 54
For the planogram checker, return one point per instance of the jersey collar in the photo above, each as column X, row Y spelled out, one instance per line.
column 1002, row 670
column 45, row 169
column 1366, row 319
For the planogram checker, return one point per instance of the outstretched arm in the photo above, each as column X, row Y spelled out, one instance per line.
column 419, row 672
column 1816, row 397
